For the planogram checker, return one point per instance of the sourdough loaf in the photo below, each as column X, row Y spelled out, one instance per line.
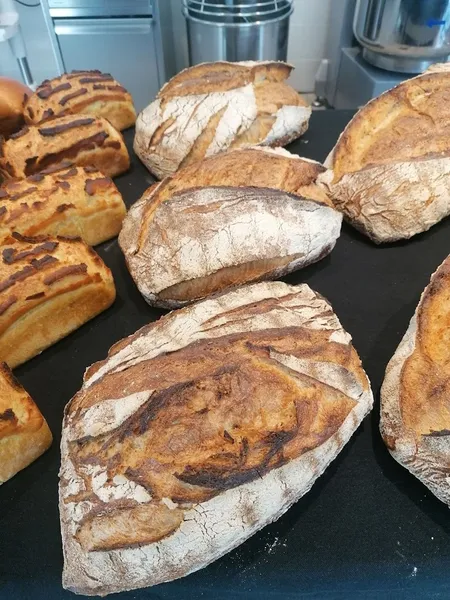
column 415, row 413
column 219, row 106
column 88, row 92
column 200, row 429
column 74, row 201
column 390, row 170
column 24, row 433
column 80, row 139
column 48, row 286
column 245, row 215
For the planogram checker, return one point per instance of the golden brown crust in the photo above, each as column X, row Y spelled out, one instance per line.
column 79, row 139
column 87, row 92
column 24, row 433
column 49, row 286
column 75, row 201
column 13, row 94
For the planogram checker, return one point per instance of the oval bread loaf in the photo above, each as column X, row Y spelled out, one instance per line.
column 219, row 106
column 415, row 412
column 65, row 141
column 390, row 170
column 237, row 217
column 74, row 201
column 88, row 92
column 199, row 430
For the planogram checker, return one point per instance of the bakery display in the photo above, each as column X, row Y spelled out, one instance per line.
column 48, row 287
column 74, row 201
column 65, row 141
column 200, row 429
column 390, row 170
column 247, row 215
column 415, row 414
column 87, row 92
column 24, row 433
column 219, row 106
column 13, row 95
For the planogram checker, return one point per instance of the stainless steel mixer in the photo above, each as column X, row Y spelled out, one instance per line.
column 403, row 35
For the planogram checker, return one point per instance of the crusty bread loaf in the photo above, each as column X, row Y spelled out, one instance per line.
column 88, row 92
column 219, row 106
column 24, row 433
column 390, row 170
column 415, row 412
column 13, row 95
column 65, row 141
column 74, row 201
column 48, row 287
column 200, row 429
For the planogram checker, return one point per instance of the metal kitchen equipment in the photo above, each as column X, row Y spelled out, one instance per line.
column 405, row 36
column 121, row 37
column 237, row 29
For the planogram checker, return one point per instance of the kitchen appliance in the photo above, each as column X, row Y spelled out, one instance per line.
column 405, row 36
column 121, row 37
column 10, row 31
column 236, row 30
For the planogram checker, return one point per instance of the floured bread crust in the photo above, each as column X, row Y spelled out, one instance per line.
column 415, row 415
column 215, row 107
column 241, row 216
column 200, row 429
column 390, row 170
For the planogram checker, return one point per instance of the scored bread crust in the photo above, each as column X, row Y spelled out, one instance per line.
column 88, row 92
column 215, row 107
column 74, row 201
column 415, row 419
column 389, row 172
column 280, row 327
column 80, row 139
column 242, row 216
column 50, row 286
column 24, row 433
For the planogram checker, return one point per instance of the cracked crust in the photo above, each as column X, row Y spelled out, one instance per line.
column 415, row 417
column 242, row 216
column 200, row 429
column 215, row 107
column 390, row 169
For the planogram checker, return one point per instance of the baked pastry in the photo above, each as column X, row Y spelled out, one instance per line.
column 13, row 94
column 49, row 286
column 79, row 139
column 415, row 413
column 200, row 429
column 74, row 201
column 87, row 92
column 219, row 106
column 390, row 170
column 237, row 217
column 24, row 433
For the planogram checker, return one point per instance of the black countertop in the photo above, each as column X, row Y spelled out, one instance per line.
column 367, row 529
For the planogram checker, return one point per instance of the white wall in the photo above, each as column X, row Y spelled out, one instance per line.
column 307, row 40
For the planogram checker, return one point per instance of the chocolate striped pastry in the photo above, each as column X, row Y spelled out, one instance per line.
column 65, row 141
column 48, row 286
column 75, row 201
column 88, row 92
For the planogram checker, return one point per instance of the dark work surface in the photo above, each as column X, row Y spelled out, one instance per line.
column 367, row 529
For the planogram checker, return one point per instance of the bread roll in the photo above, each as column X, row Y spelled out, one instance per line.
column 237, row 217
column 219, row 106
column 24, row 433
column 13, row 94
column 75, row 201
column 199, row 430
column 415, row 412
column 88, row 92
column 79, row 139
column 48, row 286
column 390, row 170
